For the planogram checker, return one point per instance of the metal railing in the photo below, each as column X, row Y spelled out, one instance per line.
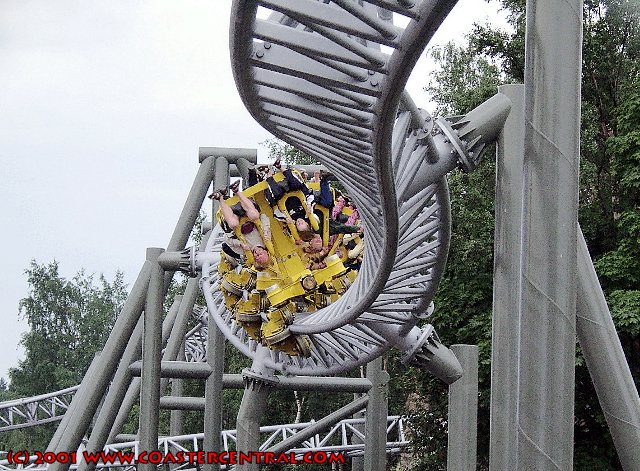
column 346, row 436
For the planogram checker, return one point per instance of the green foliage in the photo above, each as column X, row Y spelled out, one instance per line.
column 463, row 81
column 625, row 309
column 289, row 154
column 69, row 321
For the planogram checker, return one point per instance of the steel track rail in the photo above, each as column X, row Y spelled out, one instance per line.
column 313, row 74
column 272, row 61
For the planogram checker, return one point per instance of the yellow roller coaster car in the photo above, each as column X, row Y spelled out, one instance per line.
column 266, row 300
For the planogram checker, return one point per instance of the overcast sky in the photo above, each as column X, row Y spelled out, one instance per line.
column 103, row 106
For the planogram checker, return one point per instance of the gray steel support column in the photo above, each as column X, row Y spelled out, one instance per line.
column 607, row 364
column 133, row 392
column 179, row 328
column 357, row 462
column 190, row 211
column 549, row 230
column 232, row 154
column 506, row 287
column 151, row 357
column 192, row 206
column 130, row 399
column 176, row 419
column 220, row 179
column 254, row 402
column 213, row 392
column 118, row 389
column 177, row 416
column 463, row 412
column 258, row 382
column 99, row 378
column 113, row 400
column 215, row 349
column 243, row 166
column 375, row 438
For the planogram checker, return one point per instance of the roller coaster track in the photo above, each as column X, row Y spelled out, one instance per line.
column 314, row 74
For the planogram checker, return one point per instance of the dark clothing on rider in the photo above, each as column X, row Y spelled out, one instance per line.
column 294, row 182
column 337, row 228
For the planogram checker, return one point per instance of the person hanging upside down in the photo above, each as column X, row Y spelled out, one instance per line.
column 315, row 253
column 250, row 237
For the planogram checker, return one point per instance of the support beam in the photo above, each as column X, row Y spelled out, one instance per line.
column 463, row 412
column 259, row 381
column 213, row 392
column 243, row 166
column 190, row 211
column 133, row 392
column 229, row 153
column 607, row 363
column 176, row 369
column 176, row 419
column 503, row 436
column 151, row 357
column 113, row 399
column 215, row 348
column 182, row 403
column 357, row 462
column 375, row 438
column 118, row 390
column 549, row 229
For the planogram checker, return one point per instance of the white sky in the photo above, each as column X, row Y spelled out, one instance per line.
column 103, row 106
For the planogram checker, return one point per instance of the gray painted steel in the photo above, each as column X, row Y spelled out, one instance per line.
column 420, row 258
column 357, row 462
column 179, row 328
column 607, row 364
column 229, row 153
column 176, row 419
column 332, row 95
column 190, row 211
column 176, row 369
column 243, row 166
column 336, row 99
column 151, row 358
column 133, row 391
column 461, row 140
column 27, row 412
column 215, row 339
column 503, row 435
column 462, row 417
column 375, row 438
column 213, row 391
column 549, row 228
column 182, row 403
column 114, row 397
column 258, row 383
column 73, row 416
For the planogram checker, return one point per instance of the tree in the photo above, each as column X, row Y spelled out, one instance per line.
column 69, row 321
column 289, row 154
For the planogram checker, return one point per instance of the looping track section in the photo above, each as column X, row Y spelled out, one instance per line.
column 328, row 78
